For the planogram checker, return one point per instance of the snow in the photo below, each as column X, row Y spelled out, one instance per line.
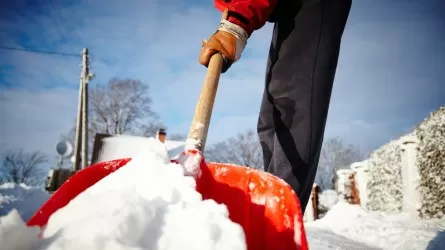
column 431, row 164
column 385, row 178
column 149, row 204
column 129, row 146
column 407, row 174
column 190, row 161
column 14, row 234
column 348, row 226
column 22, row 197
column 345, row 227
column 192, row 144
column 328, row 198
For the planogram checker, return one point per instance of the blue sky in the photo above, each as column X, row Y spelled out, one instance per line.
column 390, row 73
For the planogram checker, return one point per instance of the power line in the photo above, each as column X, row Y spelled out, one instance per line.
column 39, row 51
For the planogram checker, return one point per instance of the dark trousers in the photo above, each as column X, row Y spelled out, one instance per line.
column 300, row 73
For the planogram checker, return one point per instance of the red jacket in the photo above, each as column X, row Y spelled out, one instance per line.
column 249, row 14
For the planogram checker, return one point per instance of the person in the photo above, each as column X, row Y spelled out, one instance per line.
column 299, row 77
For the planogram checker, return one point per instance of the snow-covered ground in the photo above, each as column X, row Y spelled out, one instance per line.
column 149, row 204
column 21, row 197
column 345, row 224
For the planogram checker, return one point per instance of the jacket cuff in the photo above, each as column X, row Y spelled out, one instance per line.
column 249, row 14
column 249, row 30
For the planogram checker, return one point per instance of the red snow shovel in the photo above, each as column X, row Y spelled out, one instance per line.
column 264, row 205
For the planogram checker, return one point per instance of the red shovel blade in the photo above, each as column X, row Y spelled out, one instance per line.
column 264, row 205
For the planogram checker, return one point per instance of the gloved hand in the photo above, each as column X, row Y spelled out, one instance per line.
column 229, row 40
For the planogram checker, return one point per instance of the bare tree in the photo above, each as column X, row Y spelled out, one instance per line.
column 120, row 106
column 335, row 155
column 151, row 128
column 22, row 167
column 243, row 149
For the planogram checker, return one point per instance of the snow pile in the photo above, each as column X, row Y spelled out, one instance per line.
column 14, row 234
column 431, row 164
column 349, row 227
column 328, row 198
column 148, row 204
column 24, row 198
column 384, row 179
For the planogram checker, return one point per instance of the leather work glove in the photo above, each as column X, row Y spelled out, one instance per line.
column 229, row 40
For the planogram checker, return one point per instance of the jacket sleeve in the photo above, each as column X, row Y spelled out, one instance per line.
column 251, row 15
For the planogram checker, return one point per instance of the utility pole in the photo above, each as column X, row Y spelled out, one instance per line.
column 86, row 75
column 80, row 152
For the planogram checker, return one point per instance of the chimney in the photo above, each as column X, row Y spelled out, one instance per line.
column 161, row 135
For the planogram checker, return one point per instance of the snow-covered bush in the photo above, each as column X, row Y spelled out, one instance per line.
column 385, row 181
column 431, row 164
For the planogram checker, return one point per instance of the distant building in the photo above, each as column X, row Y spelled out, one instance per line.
column 111, row 147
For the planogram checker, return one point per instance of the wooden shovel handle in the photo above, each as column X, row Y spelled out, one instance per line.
column 203, row 111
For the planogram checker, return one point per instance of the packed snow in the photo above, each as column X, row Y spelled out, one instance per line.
column 150, row 204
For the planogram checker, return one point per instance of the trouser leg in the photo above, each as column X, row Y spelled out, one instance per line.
column 300, row 73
